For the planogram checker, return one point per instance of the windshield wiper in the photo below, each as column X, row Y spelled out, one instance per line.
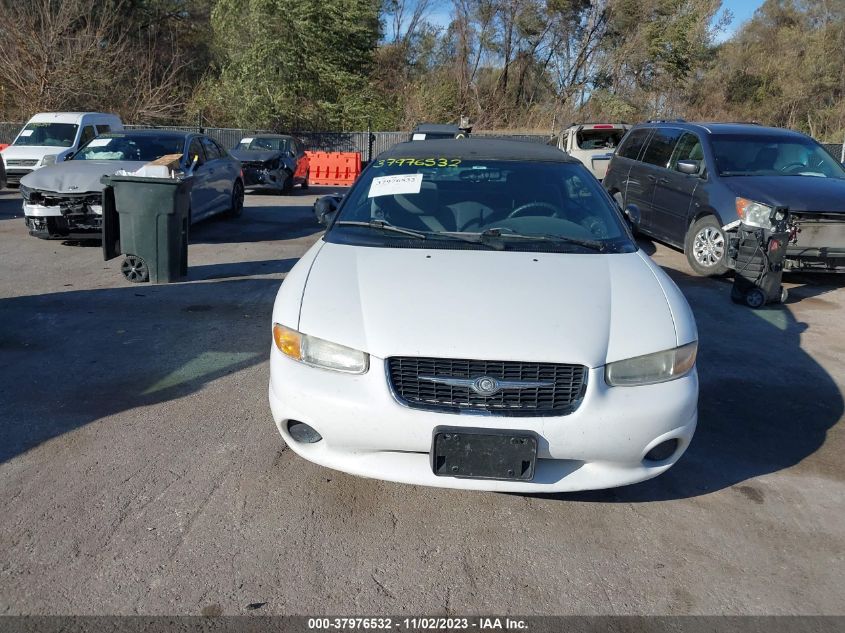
column 502, row 233
column 382, row 226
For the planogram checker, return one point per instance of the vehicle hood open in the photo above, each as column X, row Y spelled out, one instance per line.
column 494, row 305
column 76, row 176
column 799, row 193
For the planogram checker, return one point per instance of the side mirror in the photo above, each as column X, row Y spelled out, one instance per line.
column 690, row 167
column 325, row 209
column 632, row 212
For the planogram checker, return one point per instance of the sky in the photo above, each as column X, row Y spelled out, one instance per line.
column 742, row 11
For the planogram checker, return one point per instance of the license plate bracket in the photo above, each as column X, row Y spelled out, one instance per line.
column 467, row 453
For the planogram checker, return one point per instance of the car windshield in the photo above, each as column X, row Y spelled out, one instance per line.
column 458, row 203
column 138, row 147
column 774, row 155
column 599, row 139
column 47, row 134
column 264, row 144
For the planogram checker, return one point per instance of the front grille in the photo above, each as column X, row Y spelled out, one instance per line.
column 20, row 162
column 562, row 396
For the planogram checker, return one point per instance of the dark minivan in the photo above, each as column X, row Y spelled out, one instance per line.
column 692, row 181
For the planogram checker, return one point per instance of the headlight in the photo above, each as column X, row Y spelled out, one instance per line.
column 652, row 368
column 50, row 159
column 25, row 192
column 319, row 353
column 753, row 213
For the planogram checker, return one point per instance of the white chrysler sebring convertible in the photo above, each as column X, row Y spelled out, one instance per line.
column 478, row 316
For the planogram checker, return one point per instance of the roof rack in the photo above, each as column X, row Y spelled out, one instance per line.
column 666, row 121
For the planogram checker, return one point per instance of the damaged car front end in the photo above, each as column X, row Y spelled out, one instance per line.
column 52, row 215
column 266, row 170
column 272, row 162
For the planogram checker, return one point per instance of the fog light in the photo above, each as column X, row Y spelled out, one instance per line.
column 662, row 451
column 303, row 433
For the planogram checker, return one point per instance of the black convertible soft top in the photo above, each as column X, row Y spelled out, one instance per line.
column 479, row 149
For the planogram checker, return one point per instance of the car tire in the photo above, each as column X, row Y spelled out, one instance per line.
column 237, row 207
column 305, row 182
column 706, row 247
column 287, row 188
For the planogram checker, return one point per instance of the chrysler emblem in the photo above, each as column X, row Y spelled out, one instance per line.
column 486, row 386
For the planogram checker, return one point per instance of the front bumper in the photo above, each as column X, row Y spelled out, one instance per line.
column 267, row 179
column 367, row 432
column 53, row 222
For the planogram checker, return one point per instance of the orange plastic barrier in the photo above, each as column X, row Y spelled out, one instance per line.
column 337, row 169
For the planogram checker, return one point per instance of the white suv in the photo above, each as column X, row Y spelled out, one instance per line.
column 593, row 144
column 50, row 137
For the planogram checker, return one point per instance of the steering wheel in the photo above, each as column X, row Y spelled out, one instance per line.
column 791, row 166
column 521, row 209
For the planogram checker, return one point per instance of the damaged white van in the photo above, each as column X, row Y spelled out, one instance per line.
column 50, row 137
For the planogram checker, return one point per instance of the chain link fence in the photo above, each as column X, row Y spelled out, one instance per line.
column 368, row 144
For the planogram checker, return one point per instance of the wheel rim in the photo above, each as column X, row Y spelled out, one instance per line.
column 134, row 268
column 708, row 246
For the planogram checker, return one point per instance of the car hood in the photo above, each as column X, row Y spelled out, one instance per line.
column 495, row 305
column 255, row 154
column 799, row 193
column 32, row 152
column 76, row 176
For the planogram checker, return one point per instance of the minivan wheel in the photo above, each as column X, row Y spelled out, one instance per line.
column 706, row 247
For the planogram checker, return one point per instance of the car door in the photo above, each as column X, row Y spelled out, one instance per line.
column 231, row 167
column 653, row 165
column 632, row 182
column 217, row 175
column 674, row 191
column 202, row 193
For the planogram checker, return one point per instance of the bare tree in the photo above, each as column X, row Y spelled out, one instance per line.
column 77, row 54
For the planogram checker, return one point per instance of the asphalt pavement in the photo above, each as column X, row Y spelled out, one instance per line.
column 141, row 473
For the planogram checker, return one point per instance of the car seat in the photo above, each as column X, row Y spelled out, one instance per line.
column 765, row 159
column 419, row 211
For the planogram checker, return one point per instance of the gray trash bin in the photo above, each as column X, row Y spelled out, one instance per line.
column 152, row 218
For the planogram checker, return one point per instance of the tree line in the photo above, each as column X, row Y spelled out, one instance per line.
column 501, row 64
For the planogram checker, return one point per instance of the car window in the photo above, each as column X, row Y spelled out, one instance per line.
column 439, row 196
column 688, row 148
column 195, row 151
column 263, row 143
column 48, row 134
column 103, row 129
column 633, row 143
column 772, row 155
column 211, row 151
column 660, row 147
column 88, row 132
column 220, row 150
column 136, row 147
column 599, row 139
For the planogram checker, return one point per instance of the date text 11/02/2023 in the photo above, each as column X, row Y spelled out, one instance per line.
column 418, row 623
